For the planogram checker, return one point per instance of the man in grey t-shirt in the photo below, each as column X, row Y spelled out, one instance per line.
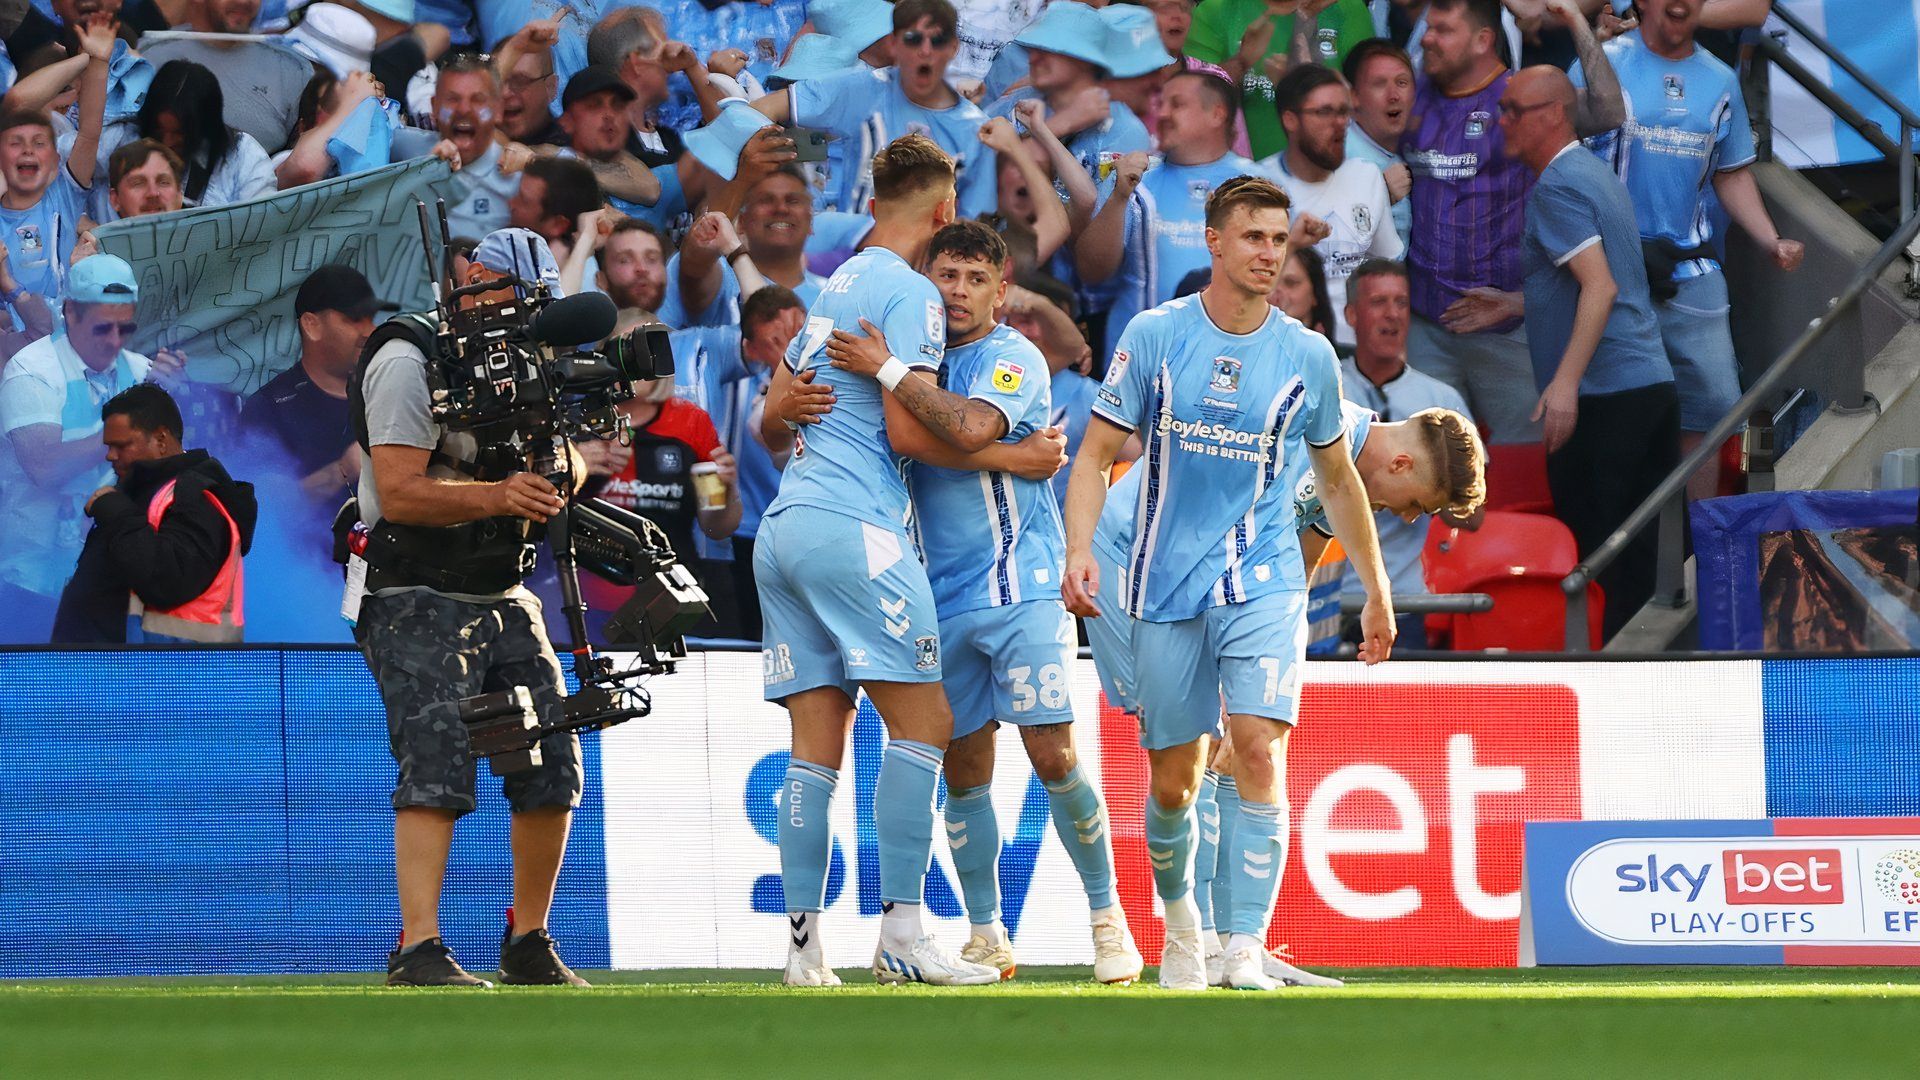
column 260, row 82
column 432, row 640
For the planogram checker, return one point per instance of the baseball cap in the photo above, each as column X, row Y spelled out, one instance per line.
column 504, row 251
column 102, row 279
column 591, row 80
column 341, row 288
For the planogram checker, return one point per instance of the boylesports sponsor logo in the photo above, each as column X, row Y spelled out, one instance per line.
column 1216, row 440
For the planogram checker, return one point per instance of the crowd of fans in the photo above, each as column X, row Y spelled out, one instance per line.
column 705, row 164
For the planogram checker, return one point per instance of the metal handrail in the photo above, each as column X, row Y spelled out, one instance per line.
column 1668, row 500
column 1839, row 59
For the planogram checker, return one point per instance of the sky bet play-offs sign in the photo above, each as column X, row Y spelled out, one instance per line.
column 1789, row 890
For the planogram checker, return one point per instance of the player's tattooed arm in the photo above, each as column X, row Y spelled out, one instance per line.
column 967, row 424
column 1037, row 457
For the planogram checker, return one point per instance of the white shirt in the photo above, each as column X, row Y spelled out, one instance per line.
column 1354, row 203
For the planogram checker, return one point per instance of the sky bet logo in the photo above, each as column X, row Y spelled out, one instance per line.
column 1764, row 876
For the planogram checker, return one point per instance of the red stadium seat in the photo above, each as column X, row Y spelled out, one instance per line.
column 1517, row 478
column 1518, row 559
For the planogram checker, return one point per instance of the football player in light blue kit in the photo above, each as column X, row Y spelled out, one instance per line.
column 993, row 545
column 1232, row 399
column 845, row 602
column 1429, row 462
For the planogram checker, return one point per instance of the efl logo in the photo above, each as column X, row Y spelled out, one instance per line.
column 1777, row 876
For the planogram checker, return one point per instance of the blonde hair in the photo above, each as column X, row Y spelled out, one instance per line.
column 910, row 165
column 1459, row 459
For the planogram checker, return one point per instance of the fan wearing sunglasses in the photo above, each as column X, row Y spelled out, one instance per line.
column 871, row 108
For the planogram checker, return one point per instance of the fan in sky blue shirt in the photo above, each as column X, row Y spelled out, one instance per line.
column 1120, row 133
column 1223, row 418
column 1686, row 121
column 1166, row 236
column 1072, row 409
column 844, row 463
column 711, row 372
column 869, row 109
column 725, row 308
column 991, row 539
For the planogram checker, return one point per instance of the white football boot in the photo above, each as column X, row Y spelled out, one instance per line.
column 1276, row 966
column 932, row 963
column 992, row 949
column 803, row 970
column 1183, row 962
column 1116, row 959
column 1216, row 962
column 1244, row 970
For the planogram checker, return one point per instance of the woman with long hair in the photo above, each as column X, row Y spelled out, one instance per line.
column 184, row 110
column 1302, row 292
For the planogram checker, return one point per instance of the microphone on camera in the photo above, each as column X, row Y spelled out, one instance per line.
column 575, row 320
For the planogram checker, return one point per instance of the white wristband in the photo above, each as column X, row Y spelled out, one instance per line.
column 892, row 372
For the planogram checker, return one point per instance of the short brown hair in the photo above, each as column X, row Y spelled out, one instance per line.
column 14, row 118
column 909, row 165
column 1373, row 268
column 908, row 12
column 1460, row 461
column 136, row 154
column 762, row 304
column 1371, row 49
column 970, row 240
column 1252, row 192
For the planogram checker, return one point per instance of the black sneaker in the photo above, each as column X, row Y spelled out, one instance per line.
column 534, row 960
column 429, row 963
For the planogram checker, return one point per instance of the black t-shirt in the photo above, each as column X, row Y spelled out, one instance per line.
column 311, row 425
column 661, row 146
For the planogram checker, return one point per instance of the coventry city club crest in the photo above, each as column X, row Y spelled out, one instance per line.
column 667, row 459
column 1676, row 86
column 1226, row 375
column 1477, row 122
column 1198, row 190
column 1362, row 220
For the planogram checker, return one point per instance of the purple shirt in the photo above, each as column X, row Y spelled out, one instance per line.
column 1469, row 198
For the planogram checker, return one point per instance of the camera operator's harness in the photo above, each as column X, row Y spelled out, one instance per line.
column 492, row 371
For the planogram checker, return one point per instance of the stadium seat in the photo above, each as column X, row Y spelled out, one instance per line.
column 1517, row 478
column 1519, row 560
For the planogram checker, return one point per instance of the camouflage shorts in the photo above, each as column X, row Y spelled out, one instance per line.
column 428, row 652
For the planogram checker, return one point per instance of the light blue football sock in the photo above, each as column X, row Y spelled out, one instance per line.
column 1227, row 796
column 1080, row 819
column 973, row 837
column 1259, row 852
column 806, row 834
column 903, row 817
column 1170, row 838
column 1208, row 812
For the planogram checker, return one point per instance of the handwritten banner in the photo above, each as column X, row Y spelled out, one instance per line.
column 217, row 283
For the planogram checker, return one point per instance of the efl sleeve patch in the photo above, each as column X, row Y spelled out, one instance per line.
column 1007, row 376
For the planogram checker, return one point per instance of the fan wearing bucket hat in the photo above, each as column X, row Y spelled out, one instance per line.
column 870, row 108
column 1067, row 59
column 865, row 27
column 50, row 460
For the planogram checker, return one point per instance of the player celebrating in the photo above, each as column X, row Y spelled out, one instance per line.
column 845, row 601
column 1223, row 390
column 1409, row 467
column 993, row 544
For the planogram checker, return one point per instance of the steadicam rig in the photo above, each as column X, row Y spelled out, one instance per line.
column 520, row 370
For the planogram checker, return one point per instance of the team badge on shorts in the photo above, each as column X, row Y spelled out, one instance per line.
column 1226, row 375
column 926, row 653
column 1007, row 376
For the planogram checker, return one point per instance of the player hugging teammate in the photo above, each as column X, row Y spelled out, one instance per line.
column 865, row 575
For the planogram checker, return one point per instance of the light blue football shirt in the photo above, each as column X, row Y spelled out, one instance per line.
column 1120, row 133
column 844, row 463
column 1224, row 418
column 1114, row 534
column 1166, row 235
column 992, row 539
column 1686, row 121
column 868, row 110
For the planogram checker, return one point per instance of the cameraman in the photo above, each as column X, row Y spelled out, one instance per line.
column 445, row 618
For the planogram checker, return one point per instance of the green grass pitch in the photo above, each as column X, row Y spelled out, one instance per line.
column 1596, row 1022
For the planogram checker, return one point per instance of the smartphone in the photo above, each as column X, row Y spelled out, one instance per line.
column 808, row 143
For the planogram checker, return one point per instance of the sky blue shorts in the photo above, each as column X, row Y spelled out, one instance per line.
column 843, row 602
column 1009, row 664
column 1111, row 637
column 1250, row 654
